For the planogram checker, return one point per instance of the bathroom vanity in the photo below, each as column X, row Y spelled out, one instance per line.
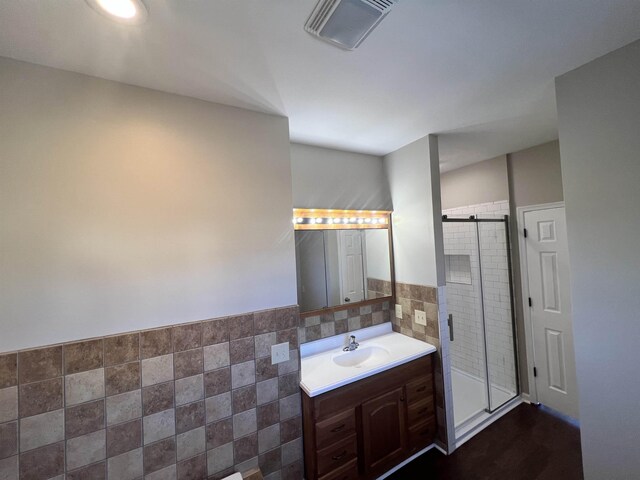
column 365, row 411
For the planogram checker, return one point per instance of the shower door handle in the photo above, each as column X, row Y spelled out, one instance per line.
column 450, row 323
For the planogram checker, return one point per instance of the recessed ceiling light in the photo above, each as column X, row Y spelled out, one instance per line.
column 131, row 12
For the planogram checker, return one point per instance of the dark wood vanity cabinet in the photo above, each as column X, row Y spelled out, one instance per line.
column 363, row 429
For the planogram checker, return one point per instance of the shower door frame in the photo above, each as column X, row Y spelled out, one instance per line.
column 505, row 220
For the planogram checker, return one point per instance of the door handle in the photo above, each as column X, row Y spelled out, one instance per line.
column 347, row 299
column 450, row 323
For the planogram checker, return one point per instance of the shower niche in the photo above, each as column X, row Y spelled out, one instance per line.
column 458, row 269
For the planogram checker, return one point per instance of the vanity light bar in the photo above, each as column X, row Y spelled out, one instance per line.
column 323, row 219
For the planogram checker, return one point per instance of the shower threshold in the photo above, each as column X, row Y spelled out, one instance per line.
column 470, row 404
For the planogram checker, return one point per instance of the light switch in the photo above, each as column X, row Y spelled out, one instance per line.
column 421, row 317
column 279, row 353
column 398, row 310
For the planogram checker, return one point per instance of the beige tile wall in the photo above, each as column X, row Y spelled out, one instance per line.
column 192, row 401
column 315, row 327
column 377, row 288
column 424, row 298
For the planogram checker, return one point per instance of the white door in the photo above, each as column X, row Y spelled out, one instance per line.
column 547, row 258
column 351, row 266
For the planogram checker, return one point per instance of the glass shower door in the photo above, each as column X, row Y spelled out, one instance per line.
column 480, row 301
column 464, row 304
column 497, row 299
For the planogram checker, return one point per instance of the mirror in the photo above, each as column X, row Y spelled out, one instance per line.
column 338, row 267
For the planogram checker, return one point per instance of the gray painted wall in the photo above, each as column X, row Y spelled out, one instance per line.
column 598, row 119
column 535, row 175
column 478, row 183
column 326, row 178
column 124, row 208
column 527, row 177
column 417, row 226
column 310, row 268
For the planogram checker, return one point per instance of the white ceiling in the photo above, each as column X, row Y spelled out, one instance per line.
column 478, row 72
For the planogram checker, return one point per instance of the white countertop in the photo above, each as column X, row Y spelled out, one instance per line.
column 380, row 349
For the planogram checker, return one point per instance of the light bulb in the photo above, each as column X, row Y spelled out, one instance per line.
column 299, row 220
column 352, row 220
column 130, row 12
column 360, row 220
column 119, row 8
column 368, row 220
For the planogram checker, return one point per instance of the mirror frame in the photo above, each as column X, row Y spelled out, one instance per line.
column 332, row 219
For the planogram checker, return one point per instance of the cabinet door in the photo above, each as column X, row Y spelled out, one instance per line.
column 384, row 432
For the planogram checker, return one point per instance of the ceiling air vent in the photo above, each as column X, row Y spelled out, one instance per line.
column 346, row 23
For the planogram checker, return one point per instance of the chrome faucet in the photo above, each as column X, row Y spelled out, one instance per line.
column 352, row 344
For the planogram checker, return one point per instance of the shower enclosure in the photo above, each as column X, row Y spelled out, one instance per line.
column 482, row 326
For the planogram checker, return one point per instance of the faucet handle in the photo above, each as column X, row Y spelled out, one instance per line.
column 352, row 344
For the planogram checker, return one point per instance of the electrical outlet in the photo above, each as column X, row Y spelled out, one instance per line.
column 279, row 353
column 398, row 310
column 421, row 317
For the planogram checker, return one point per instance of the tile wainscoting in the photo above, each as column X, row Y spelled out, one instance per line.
column 315, row 327
column 377, row 288
column 190, row 401
column 425, row 298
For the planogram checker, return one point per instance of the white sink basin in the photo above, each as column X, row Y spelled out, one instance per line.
column 362, row 357
column 325, row 366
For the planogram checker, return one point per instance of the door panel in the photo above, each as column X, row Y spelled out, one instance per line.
column 556, row 355
column 351, row 265
column 547, row 258
column 550, row 281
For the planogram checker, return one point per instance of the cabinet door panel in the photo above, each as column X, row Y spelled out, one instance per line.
column 384, row 434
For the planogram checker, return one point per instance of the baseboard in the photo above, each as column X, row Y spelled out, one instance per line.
column 440, row 449
column 565, row 418
column 408, row 460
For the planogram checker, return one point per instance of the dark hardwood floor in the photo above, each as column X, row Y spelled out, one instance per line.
column 526, row 444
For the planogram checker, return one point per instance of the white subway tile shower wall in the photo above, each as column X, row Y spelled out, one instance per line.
column 463, row 301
